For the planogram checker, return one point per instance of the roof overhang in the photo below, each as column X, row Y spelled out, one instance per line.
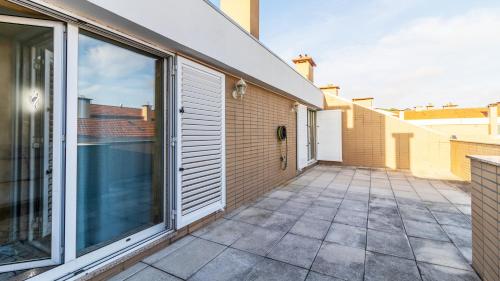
column 196, row 29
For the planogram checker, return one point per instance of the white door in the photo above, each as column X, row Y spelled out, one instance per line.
column 302, row 142
column 31, row 232
column 201, row 182
column 329, row 135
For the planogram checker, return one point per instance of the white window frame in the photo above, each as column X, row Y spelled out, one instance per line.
column 185, row 220
column 71, row 258
column 58, row 105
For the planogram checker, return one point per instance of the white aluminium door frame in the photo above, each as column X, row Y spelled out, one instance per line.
column 58, row 29
column 72, row 261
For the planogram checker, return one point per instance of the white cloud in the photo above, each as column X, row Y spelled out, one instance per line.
column 434, row 60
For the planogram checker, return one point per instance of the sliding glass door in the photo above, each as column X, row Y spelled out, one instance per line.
column 30, row 144
column 120, row 171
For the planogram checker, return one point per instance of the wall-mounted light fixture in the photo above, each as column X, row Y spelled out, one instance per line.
column 295, row 107
column 240, row 89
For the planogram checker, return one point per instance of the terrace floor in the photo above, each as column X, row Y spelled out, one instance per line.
column 330, row 223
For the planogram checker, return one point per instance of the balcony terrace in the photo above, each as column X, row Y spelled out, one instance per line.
column 330, row 223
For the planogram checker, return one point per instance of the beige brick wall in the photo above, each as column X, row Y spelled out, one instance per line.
column 373, row 139
column 485, row 220
column 460, row 164
column 252, row 149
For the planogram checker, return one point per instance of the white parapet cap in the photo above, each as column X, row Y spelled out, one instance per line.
column 199, row 30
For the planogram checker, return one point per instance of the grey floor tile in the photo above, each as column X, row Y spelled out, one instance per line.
column 363, row 197
column 329, row 202
column 314, row 276
column 150, row 273
column 438, row 252
column 443, row 207
column 271, row 204
column 280, row 194
column 190, row 258
column 234, row 212
column 350, row 217
column 380, row 267
column 385, row 222
column 384, row 210
column 431, row 272
column 425, row 230
column 259, row 241
column 280, row 222
column 320, row 212
column 271, row 270
column 340, row 261
column 232, row 264
column 395, row 243
column 252, row 215
column 347, row 235
column 293, row 208
column 354, row 205
column 457, row 219
column 460, row 236
column 128, row 272
column 465, row 209
column 417, row 215
column 296, row 250
column 224, row 231
column 168, row 250
column 311, row 227
column 300, row 198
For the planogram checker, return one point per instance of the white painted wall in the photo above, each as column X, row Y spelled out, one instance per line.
column 301, row 136
column 329, row 135
column 196, row 28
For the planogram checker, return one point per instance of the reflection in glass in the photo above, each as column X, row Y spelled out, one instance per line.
column 26, row 80
column 119, row 142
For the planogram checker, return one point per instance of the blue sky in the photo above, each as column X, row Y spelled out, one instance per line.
column 112, row 75
column 402, row 52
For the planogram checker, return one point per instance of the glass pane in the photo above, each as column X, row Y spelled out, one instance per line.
column 26, row 91
column 120, row 179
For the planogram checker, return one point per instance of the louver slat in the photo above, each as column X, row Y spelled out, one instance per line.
column 201, row 181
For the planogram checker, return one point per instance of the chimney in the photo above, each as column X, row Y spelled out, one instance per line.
column 366, row 102
column 305, row 66
column 244, row 12
column 83, row 107
column 330, row 89
column 147, row 113
column 493, row 119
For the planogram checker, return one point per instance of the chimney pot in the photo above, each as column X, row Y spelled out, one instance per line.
column 305, row 66
column 84, row 107
column 147, row 113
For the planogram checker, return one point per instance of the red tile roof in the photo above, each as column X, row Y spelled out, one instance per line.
column 115, row 128
column 99, row 110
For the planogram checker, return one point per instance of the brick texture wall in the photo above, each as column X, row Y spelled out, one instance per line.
column 485, row 220
column 460, row 164
column 253, row 165
column 373, row 139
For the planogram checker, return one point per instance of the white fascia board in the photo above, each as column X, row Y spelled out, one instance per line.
column 195, row 28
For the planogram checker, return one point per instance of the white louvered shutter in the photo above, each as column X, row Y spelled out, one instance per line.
column 201, row 187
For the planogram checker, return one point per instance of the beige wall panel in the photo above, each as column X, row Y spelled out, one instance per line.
column 373, row 139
